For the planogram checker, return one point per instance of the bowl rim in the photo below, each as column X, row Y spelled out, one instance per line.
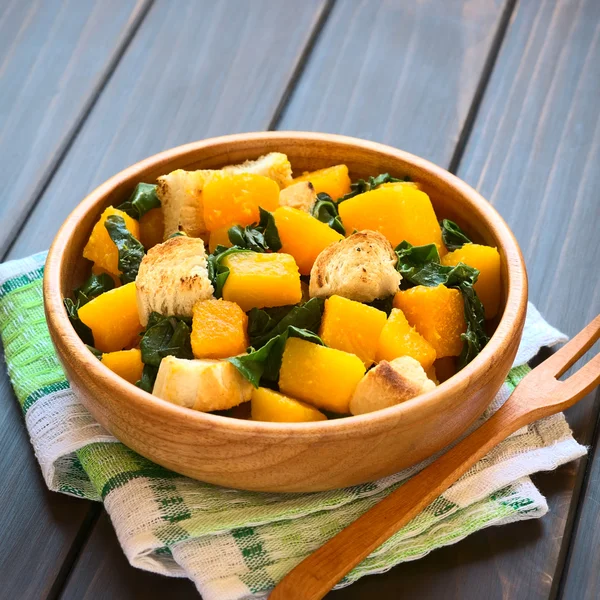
column 508, row 326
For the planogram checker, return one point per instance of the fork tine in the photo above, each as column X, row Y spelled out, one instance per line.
column 560, row 361
column 583, row 381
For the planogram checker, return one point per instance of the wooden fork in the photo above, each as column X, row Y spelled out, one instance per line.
column 540, row 394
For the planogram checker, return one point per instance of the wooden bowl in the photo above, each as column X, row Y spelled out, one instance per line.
column 288, row 457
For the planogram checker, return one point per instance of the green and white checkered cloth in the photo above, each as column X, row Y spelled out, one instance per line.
column 236, row 544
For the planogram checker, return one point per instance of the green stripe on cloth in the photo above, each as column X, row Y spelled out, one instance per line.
column 21, row 280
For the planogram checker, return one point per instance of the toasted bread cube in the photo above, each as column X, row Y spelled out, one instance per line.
column 487, row 261
column 235, row 198
column 219, row 329
column 125, row 363
column 268, row 405
column 113, row 318
column 324, row 377
column 332, row 180
column 388, row 384
column 101, row 249
column 399, row 338
column 204, row 385
column 303, row 236
column 352, row 327
column 299, row 195
column 261, row 280
column 438, row 314
column 399, row 212
column 361, row 267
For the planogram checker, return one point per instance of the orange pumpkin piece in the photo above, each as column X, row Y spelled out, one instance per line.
column 303, row 236
column 219, row 329
column 324, row 377
column 113, row 318
column 261, row 280
column 398, row 338
column 486, row 260
column 445, row 368
column 332, row 180
column 152, row 228
column 437, row 313
column 100, row 249
column 125, row 363
column 268, row 405
column 352, row 327
column 219, row 237
column 399, row 212
column 230, row 198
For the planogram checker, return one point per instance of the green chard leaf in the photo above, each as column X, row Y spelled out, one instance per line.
column 258, row 237
column 217, row 272
column 265, row 362
column 149, row 374
column 326, row 210
column 366, row 185
column 454, row 237
column 131, row 251
column 420, row 265
column 384, row 304
column 265, row 324
column 95, row 351
column 93, row 287
column 82, row 330
column 143, row 199
column 165, row 336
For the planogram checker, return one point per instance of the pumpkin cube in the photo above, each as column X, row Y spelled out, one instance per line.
column 438, row 314
column 352, row 327
column 219, row 237
column 399, row 212
column 332, row 180
column 152, row 228
column 261, row 280
column 303, row 236
column 268, row 405
column 113, row 318
column 235, row 198
column 219, row 329
column 398, row 338
column 324, row 377
column 100, row 248
column 125, row 363
column 487, row 261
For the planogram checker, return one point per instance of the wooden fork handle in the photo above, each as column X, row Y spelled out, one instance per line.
column 319, row 572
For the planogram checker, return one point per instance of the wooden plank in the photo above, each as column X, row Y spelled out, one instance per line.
column 54, row 55
column 401, row 73
column 532, row 153
column 181, row 80
column 103, row 572
column 580, row 578
column 45, row 48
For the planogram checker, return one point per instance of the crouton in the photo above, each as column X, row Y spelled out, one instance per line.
column 390, row 383
column 301, row 196
column 203, row 385
column 360, row 267
column 172, row 277
column 180, row 192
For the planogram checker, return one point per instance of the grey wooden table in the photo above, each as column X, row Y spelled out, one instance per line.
column 504, row 93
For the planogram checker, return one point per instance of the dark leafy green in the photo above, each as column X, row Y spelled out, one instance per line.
column 83, row 331
column 265, row 324
column 366, row 185
column 149, row 374
column 178, row 234
column 258, row 237
column 454, row 237
column 420, row 265
column 165, row 336
column 93, row 287
column 130, row 250
column 143, row 199
column 326, row 210
column 217, row 272
column 384, row 304
column 265, row 362
column 95, row 351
